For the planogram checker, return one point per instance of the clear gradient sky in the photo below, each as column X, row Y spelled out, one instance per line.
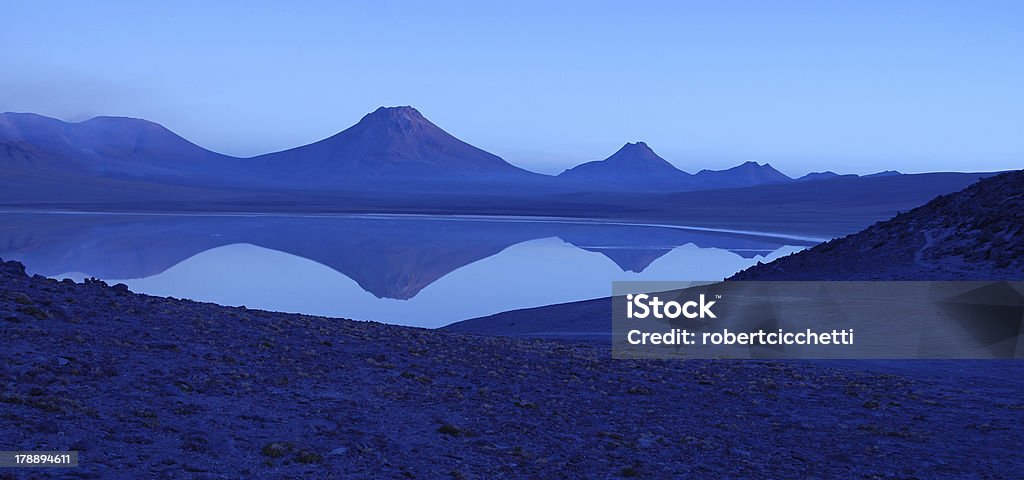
column 854, row 86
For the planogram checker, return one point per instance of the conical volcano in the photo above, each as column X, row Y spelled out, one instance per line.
column 389, row 143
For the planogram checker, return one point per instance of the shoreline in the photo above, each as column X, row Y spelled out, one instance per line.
column 545, row 219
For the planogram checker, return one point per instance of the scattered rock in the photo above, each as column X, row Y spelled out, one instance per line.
column 449, row 429
column 276, row 449
column 307, row 456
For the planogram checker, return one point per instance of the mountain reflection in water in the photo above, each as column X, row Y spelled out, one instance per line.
column 415, row 270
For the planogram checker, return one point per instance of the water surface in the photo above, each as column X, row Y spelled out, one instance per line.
column 412, row 270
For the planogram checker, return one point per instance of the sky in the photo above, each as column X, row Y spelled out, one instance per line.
column 854, row 87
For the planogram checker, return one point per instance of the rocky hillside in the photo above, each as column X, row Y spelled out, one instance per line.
column 976, row 233
column 149, row 387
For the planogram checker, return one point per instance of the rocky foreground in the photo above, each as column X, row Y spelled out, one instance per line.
column 148, row 387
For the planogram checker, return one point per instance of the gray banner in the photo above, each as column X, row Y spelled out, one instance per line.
column 818, row 320
column 38, row 459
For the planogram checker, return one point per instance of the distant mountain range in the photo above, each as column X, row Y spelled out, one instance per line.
column 392, row 146
column 636, row 165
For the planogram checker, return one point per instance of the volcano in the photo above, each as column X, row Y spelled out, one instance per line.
column 391, row 143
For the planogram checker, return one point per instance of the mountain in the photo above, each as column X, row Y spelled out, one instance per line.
column 392, row 149
column 744, row 175
column 103, row 146
column 389, row 143
column 974, row 234
column 395, row 144
column 810, row 177
column 636, row 166
column 633, row 165
column 884, row 173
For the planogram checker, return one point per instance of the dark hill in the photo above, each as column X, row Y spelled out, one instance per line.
column 976, row 233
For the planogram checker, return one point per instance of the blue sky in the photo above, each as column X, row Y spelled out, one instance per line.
column 855, row 86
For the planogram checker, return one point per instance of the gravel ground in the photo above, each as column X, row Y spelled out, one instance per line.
column 149, row 387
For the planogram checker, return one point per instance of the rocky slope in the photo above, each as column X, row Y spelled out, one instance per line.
column 973, row 234
column 148, row 387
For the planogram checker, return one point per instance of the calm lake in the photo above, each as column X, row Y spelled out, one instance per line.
column 413, row 270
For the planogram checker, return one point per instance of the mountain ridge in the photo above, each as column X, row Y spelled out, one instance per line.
column 743, row 175
column 634, row 165
column 391, row 146
column 104, row 146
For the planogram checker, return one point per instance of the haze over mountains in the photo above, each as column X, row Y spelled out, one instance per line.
column 390, row 147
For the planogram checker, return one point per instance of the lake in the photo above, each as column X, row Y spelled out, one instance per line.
column 418, row 270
